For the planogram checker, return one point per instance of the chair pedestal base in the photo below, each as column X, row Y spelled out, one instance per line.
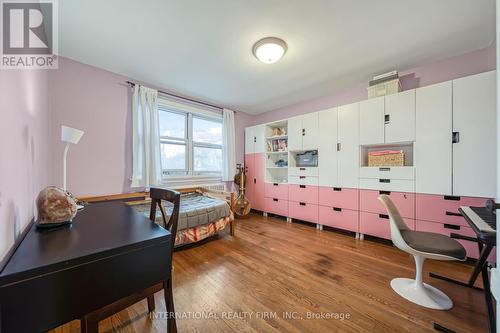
column 421, row 294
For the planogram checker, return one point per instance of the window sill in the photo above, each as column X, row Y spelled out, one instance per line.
column 176, row 182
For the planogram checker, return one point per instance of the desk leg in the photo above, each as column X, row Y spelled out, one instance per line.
column 151, row 303
column 89, row 326
column 169, row 303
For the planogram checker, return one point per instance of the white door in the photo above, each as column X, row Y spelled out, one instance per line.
column 348, row 156
column 371, row 121
column 249, row 140
column 260, row 138
column 474, row 118
column 295, row 133
column 327, row 148
column 400, row 117
column 433, row 151
column 310, row 127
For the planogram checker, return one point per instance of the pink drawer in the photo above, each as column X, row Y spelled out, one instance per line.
column 341, row 218
column 303, row 211
column 447, row 229
column 378, row 225
column 444, row 209
column 405, row 202
column 276, row 206
column 339, row 197
column 276, row 190
column 303, row 193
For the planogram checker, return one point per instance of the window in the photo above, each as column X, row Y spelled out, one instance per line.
column 191, row 143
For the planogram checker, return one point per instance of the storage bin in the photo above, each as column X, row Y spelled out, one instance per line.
column 386, row 159
column 384, row 88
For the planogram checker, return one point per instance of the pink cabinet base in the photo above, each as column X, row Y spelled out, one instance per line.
column 276, row 190
column 341, row 218
column 276, row 206
column 444, row 209
column 378, row 226
column 303, row 211
column 303, row 193
column 405, row 202
column 339, row 197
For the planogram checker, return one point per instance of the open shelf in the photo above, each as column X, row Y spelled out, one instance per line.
column 277, row 137
column 406, row 147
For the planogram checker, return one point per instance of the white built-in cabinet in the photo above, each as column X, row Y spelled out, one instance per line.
column 388, row 119
column 371, row 121
column 433, row 157
column 399, row 117
column 255, row 139
column 303, row 132
column 474, row 127
column 327, row 148
column 348, row 138
column 456, row 137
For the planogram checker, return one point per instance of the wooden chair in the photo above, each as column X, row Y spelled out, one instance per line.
column 90, row 322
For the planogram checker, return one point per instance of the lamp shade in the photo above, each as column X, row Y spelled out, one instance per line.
column 71, row 135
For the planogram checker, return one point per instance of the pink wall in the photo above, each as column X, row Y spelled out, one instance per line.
column 98, row 102
column 467, row 64
column 24, row 149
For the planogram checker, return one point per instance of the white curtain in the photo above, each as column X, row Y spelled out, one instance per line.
column 228, row 146
column 146, row 154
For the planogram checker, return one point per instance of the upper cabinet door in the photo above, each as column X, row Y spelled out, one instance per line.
column 260, row 138
column 433, row 151
column 249, row 140
column 474, row 118
column 295, row 133
column 327, row 148
column 371, row 121
column 310, row 128
column 400, row 117
column 348, row 135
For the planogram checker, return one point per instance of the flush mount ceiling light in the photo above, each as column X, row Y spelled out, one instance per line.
column 269, row 49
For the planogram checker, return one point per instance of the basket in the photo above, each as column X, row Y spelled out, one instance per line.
column 386, row 159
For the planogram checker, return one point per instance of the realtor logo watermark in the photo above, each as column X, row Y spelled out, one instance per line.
column 29, row 34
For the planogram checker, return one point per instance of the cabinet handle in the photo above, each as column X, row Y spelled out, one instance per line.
column 337, row 209
column 275, row 184
column 384, row 192
column 274, row 199
column 455, row 137
column 337, row 189
column 255, row 181
column 339, row 146
column 303, row 132
column 387, row 118
column 384, row 169
column 302, row 169
column 451, row 226
column 453, row 214
column 302, row 203
column 451, row 198
column 302, row 177
column 384, row 180
column 383, row 216
column 302, row 186
column 255, row 139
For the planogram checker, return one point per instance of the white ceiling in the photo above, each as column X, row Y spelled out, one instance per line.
column 202, row 49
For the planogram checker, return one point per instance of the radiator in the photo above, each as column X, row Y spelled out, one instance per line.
column 214, row 187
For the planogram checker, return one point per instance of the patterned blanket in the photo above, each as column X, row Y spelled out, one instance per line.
column 200, row 216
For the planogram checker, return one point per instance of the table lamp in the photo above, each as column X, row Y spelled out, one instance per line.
column 70, row 136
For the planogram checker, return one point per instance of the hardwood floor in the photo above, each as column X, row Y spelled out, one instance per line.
column 272, row 268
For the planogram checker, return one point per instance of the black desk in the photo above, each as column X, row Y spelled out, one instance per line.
column 58, row 275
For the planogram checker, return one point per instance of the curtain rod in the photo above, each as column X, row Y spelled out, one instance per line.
column 182, row 97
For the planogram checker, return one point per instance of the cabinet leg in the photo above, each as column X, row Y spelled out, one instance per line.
column 264, row 214
column 319, row 226
column 361, row 236
column 289, row 219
